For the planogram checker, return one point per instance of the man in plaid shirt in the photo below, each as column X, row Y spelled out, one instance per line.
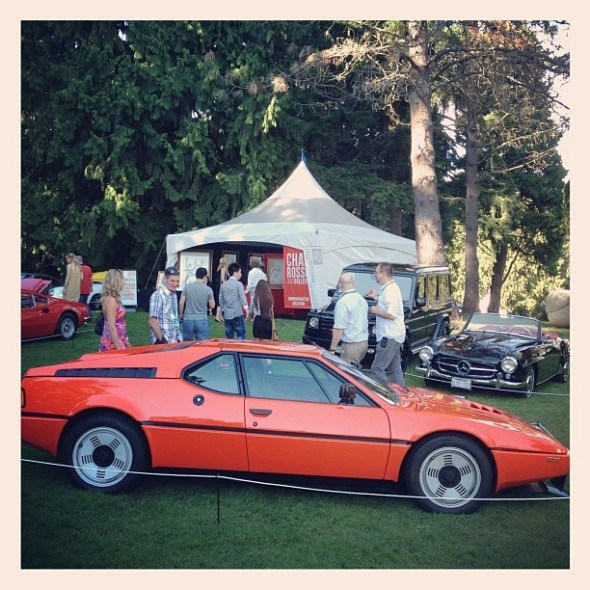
column 164, row 322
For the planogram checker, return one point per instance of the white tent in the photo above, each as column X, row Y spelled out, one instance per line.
column 302, row 215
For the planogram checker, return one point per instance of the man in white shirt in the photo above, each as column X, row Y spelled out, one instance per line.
column 391, row 329
column 351, row 323
column 256, row 274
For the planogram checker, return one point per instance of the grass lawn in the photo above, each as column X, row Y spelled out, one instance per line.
column 198, row 523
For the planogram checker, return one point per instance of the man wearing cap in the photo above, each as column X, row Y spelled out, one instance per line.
column 351, row 322
column 163, row 316
column 194, row 305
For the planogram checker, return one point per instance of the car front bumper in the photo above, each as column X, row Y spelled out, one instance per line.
column 498, row 382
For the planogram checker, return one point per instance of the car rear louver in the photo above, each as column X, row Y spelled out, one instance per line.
column 118, row 372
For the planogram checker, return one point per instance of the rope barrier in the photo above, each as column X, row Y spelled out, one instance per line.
column 308, row 488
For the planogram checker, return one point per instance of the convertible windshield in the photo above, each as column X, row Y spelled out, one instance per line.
column 503, row 324
column 364, row 377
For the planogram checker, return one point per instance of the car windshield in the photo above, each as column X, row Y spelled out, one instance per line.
column 365, row 282
column 364, row 377
column 503, row 324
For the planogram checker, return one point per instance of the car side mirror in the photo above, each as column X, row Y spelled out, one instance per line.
column 347, row 393
column 331, row 292
column 420, row 301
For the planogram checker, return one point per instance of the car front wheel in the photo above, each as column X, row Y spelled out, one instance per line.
column 449, row 474
column 67, row 327
column 529, row 383
column 106, row 453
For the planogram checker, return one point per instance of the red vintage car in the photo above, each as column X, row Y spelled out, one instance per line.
column 42, row 315
column 276, row 408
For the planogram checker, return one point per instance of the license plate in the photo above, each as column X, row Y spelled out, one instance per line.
column 461, row 383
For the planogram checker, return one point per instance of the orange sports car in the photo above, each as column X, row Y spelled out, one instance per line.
column 276, row 408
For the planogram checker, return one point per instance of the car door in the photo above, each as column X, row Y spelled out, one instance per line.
column 37, row 319
column 296, row 425
column 199, row 423
column 547, row 355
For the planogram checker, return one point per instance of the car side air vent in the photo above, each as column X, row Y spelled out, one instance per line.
column 116, row 372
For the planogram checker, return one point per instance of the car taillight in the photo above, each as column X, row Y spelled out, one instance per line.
column 23, row 398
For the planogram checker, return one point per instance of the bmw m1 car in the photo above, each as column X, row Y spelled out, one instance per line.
column 497, row 351
column 276, row 408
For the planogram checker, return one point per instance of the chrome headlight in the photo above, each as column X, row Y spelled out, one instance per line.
column 509, row 364
column 426, row 354
column 373, row 330
column 314, row 322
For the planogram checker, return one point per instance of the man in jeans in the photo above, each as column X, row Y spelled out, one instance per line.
column 391, row 330
column 232, row 300
column 193, row 308
column 163, row 315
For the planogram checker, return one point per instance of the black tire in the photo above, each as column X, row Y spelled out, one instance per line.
column 430, row 383
column 66, row 326
column 405, row 354
column 564, row 376
column 106, row 453
column 448, row 473
column 530, row 383
column 94, row 304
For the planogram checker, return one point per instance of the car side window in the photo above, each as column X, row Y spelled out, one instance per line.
column 330, row 383
column 26, row 301
column 217, row 374
column 40, row 300
column 444, row 287
column 280, row 378
column 431, row 287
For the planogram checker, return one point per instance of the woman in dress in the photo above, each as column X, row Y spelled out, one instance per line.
column 114, row 333
column 73, row 278
column 262, row 310
column 220, row 279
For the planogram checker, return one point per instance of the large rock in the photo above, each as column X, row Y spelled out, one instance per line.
column 557, row 307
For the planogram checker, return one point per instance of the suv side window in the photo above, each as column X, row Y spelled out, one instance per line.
column 444, row 287
column 432, row 289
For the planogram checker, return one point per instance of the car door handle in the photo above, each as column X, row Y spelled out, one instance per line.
column 260, row 412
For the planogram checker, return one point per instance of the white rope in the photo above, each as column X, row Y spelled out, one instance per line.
column 306, row 488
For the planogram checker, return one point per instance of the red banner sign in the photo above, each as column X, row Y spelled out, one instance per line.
column 296, row 288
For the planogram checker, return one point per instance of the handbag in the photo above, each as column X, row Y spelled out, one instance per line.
column 99, row 327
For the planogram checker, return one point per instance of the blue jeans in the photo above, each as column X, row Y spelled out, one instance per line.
column 195, row 330
column 236, row 325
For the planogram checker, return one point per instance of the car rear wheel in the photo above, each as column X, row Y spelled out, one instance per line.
column 106, row 453
column 449, row 474
column 564, row 376
column 67, row 326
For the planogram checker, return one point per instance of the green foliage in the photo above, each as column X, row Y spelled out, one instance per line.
column 526, row 286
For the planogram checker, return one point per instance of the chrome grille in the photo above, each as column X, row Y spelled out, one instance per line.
column 463, row 368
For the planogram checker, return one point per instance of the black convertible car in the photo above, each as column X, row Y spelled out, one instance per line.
column 497, row 351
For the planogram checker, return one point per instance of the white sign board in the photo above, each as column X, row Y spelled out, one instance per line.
column 129, row 293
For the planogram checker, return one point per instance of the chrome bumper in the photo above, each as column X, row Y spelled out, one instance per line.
column 498, row 382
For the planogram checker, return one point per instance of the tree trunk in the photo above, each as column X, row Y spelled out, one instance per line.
column 429, row 241
column 498, row 277
column 471, row 300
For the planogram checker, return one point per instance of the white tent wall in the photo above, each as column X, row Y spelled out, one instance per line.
column 302, row 215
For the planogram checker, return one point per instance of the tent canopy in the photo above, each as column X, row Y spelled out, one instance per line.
column 302, row 215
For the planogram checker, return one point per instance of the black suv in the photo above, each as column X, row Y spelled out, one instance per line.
column 428, row 304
